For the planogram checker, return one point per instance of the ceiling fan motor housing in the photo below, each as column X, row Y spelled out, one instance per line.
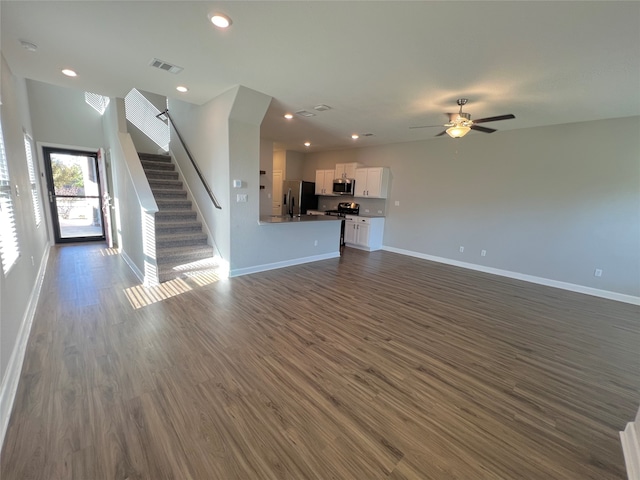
column 461, row 118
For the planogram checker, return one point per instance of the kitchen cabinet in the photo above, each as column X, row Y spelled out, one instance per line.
column 372, row 182
column 364, row 233
column 346, row 170
column 324, row 182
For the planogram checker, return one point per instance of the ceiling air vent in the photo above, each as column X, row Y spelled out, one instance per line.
column 305, row 113
column 322, row 107
column 167, row 67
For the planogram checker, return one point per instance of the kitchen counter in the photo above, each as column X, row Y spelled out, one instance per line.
column 280, row 219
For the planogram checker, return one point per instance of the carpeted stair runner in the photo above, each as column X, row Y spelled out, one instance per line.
column 181, row 245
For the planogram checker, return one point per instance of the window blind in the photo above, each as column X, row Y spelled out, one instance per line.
column 33, row 180
column 9, row 246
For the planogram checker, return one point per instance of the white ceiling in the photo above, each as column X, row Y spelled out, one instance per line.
column 382, row 66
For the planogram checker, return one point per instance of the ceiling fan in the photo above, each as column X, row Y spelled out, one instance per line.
column 460, row 123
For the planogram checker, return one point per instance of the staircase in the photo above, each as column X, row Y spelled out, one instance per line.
column 181, row 245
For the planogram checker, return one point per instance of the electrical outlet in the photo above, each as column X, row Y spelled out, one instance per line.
column 461, row 249
column 380, row 212
column 397, row 203
column 366, row 210
column 315, row 243
column 483, row 253
column 598, row 272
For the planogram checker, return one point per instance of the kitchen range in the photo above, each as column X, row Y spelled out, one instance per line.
column 344, row 209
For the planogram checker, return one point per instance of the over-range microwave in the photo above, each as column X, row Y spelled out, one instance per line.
column 344, row 186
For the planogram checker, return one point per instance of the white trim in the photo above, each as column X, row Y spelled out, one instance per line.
column 631, row 449
column 287, row 263
column 620, row 297
column 132, row 266
column 9, row 386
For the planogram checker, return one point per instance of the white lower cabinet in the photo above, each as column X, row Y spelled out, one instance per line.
column 363, row 232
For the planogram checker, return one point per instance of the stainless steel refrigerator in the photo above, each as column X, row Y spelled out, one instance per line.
column 299, row 196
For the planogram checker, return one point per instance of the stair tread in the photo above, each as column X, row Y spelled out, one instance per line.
column 157, row 183
column 177, row 212
column 181, row 236
column 168, row 192
column 154, row 157
column 176, row 201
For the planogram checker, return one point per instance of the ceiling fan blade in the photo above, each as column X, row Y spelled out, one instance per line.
column 483, row 129
column 495, row 119
column 441, row 133
column 426, row 126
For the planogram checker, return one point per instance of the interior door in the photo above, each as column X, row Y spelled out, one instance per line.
column 277, row 193
column 75, row 195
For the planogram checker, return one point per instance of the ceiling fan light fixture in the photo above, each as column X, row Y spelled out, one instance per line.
column 458, row 131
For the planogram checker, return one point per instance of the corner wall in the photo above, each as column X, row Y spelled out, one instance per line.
column 224, row 137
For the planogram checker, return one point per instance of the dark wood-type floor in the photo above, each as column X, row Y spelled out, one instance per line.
column 372, row 366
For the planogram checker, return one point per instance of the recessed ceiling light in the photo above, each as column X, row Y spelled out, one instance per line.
column 220, row 20
column 182, row 89
column 69, row 73
column 307, row 144
column 355, row 136
column 288, row 116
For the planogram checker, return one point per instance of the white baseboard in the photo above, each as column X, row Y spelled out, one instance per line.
column 287, row 263
column 521, row 276
column 9, row 386
column 631, row 449
column 132, row 266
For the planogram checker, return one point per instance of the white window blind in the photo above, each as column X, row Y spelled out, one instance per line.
column 33, row 180
column 98, row 102
column 9, row 247
column 142, row 113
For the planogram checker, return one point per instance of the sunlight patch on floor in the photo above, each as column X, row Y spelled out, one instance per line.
column 140, row 296
column 196, row 274
column 107, row 252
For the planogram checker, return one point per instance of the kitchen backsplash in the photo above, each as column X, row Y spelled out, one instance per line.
column 376, row 206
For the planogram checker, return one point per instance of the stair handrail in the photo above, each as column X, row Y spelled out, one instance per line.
column 193, row 162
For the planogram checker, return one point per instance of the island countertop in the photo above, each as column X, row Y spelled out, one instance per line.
column 280, row 219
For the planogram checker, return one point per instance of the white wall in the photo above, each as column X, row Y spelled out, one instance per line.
column 549, row 202
column 266, row 165
column 61, row 116
column 18, row 290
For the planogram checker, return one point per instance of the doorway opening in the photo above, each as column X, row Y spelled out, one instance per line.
column 75, row 195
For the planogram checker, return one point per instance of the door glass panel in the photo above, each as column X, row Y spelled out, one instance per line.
column 76, row 195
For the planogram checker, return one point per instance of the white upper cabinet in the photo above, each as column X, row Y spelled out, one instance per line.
column 372, row 182
column 346, row 170
column 324, row 182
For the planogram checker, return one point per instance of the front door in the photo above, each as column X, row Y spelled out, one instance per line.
column 75, row 195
